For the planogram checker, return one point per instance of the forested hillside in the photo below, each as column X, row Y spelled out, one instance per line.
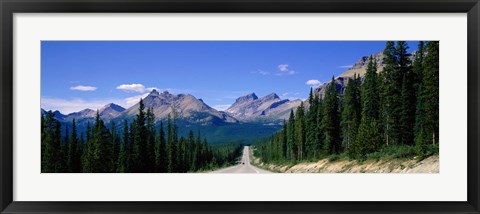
column 394, row 112
column 138, row 148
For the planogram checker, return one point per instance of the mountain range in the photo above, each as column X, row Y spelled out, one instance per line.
column 248, row 118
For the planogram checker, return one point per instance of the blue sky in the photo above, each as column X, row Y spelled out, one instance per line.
column 80, row 74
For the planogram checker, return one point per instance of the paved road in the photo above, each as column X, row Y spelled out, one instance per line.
column 246, row 167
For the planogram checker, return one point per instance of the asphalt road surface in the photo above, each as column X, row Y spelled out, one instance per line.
column 244, row 166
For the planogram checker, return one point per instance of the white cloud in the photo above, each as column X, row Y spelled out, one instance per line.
column 83, row 88
column 130, row 101
column 132, row 87
column 283, row 69
column 135, row 87
column 313, row 82
column 221, row 107
column 345, row 66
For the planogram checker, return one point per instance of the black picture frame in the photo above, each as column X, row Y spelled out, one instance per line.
column 9, row 7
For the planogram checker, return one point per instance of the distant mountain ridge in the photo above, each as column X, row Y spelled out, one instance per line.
column 191, row 114
column 268, row 108
column 186, row 106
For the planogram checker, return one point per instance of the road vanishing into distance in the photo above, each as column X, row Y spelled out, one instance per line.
column 244, row 166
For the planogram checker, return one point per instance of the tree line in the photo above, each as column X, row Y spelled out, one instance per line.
column 139, row 147
column 398, row 106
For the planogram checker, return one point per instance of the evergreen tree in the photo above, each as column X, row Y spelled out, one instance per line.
column 351, row 113
column 150, row 152
column 331, row 120
column 87, row 165
column 369, row 132
column 51, row 143
column 319, row 129
column 311, row 125
column 291, row 148
column 300, row 131
column 73, row 154
column 391, row 95
column 284, row 141
column 429, row 99
column 160, row 159
column 115, row 144
column 418, row 74
column 170, row 145
column 102, row 148
column 122, row 164
column 140, row 144
column 407, row 94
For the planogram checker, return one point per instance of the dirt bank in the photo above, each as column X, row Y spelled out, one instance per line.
column 427, row 165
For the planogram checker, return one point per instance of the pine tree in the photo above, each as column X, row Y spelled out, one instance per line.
column 170, row 146
column 284, row 141
column 418, row 74
column 150, row 153
column 115, row 145
column 407, row 94
column 331, row 120
column 369, row 132
column 319, row 129
column 291, row 148
column 140, row 144
column 391, row 104
column 300, row 131
column 122, row 165
column 131, row 147
column 73, row 154
column 159, row 151
column 351, row 113
column 51, row 144
column 101, row 147
column 429, row 99
column 87, row 165
column 192, row 150
column 311, row 125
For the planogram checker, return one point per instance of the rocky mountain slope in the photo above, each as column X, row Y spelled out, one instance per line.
column 359, row 68
column 186, row 106
column 267, row 108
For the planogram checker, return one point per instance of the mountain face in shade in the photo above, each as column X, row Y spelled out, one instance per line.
column 110, row 111
column 187, row 107
column 268, row 108
column 106, row 113
column 86, row 113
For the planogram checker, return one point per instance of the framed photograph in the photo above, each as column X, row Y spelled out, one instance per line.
column 239, row 106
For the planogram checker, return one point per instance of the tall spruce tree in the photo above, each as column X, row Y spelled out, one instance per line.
column 150, row 147
column 73, row 156
column 140, row 144
column 122, row 164
column 369, row 132
column 418, row 74
column 351, row 113
column 311, row 126
column 407, row 94
column 391, row 96
column 331, row 120
column 429, row 99
column 51, row 143
column 291, row 148
column 300, row 131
